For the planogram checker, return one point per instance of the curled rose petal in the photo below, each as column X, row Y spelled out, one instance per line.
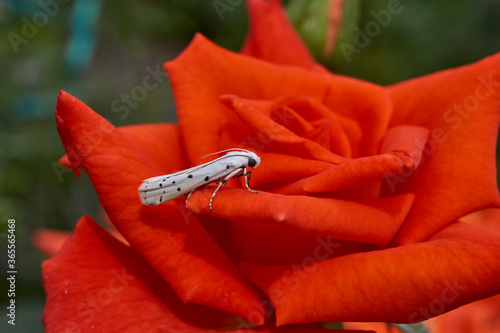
column 368, row 221
column 278, row 169
column 457, row 175
column 369, row 286
column 287, row 141
column 401, row 153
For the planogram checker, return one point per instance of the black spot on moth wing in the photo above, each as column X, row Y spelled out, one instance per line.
column 228, row 166
column 173, row 181
column 190, row 176
column 179, row 189
column 207, row 178
column 161, row 184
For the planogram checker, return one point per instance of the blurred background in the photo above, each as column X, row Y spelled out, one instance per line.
column 98, row 50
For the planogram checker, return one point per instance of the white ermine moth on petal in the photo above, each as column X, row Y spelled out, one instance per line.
column 157, row 190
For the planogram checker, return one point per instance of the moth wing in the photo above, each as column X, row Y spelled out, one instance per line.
column 156, row 190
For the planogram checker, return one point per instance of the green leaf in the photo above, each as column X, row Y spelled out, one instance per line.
column 311, row 20
column 346, row 33
column 412, row 328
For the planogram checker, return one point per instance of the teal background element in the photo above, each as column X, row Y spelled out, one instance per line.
column 99, row 50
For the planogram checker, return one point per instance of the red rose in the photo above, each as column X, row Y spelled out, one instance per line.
column 360, row 189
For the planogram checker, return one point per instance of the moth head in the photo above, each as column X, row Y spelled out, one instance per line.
column 253, row 160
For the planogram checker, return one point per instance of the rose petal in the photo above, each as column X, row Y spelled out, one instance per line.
column 461, row 109
column 344, row 132
column 97, row 283
column 487, row 218
column 377, row 327
column 368, row 221
column 168, row 237
column 272, row 37
column 477, row 317
column 49, row 241
column 64, row 161
column 406, row 284
column 276, row 170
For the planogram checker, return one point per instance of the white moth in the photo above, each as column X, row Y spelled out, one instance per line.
column 157, row 190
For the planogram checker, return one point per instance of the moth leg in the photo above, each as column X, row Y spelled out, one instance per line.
column 213, row 195
column 247, row 179
column 231, row 175
column 190, row 195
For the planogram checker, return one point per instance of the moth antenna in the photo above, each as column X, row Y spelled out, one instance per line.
column 225, row 150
